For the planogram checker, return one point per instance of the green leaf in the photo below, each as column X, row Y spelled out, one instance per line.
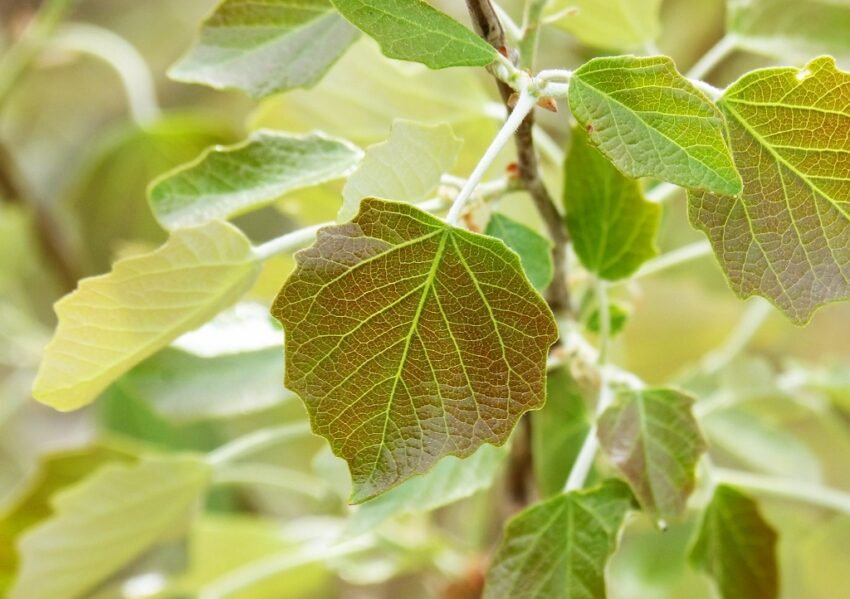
column 406, row 167
column 535, row 251
column 106, row 521
column 612, row 226
column 266, row 47
column 559, row 548
column 450, row 480
column 652, row 122
column 558, row 431
column 736, row 547
column 652, row 438
column 226, row 181
column 791, row 30
column 609, row 23
column 409, row 340
column 787, row 236
column 618, row 316
column 113, row 322
column 414, row 30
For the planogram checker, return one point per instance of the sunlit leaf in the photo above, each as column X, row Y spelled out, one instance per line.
column 787, row 236
column 414, row 30
column 651, row 436
column 104, row 522
column 609, row 23
column 559, row 548
column 612, row 226
column 266, row 47
column 736, row 547
column 113, row 322
column 229, row 180
column 450, row 480
column 791, row 30
column 535, row 251
column 652, row 122
column 409, row 340
column 407, row 167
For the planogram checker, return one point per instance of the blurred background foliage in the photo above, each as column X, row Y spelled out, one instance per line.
column 76, row 163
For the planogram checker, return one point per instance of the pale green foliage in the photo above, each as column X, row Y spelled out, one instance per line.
column 796, row 30
column 787, row 236
column 621, row 24
column 404, row 332
column 612, row 226
column 414, row 30
column 652, row 122
column 406, row 167
column 652, row 438
column 534, row 250
column 106, row 521
column 268, row 47
column 736, row 547
column 226, row 181
column 113, row 322
column 559, row 548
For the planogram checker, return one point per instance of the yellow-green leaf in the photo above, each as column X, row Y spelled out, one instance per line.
column 621, row 24
column 787, row 236
column 101, row 524
column 114, row 321
column 652, row 122
column 409, row 339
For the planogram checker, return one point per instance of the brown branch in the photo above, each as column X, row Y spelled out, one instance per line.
column 487, row 25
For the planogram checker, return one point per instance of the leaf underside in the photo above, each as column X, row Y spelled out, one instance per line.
column 409, row 340
column 787, row 236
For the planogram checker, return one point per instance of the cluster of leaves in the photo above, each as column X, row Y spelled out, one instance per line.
column 416, row 345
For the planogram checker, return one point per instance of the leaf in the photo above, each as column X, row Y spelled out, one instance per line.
column 409, row 340
column 406, row 167
column 618, row 316
column 652, row 438
column 559, row 548
column 106, row 521
column 652, row 122
column 736, row 547
column 791, row 30
column 535, row 251
column 787, row 236
column 266, row 47
column 114, row 321
column 226, row 181
column 612, row 226
column 609, row 23
column 414, row 30
column 450, row 480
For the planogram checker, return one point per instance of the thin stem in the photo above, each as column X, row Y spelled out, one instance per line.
column 257, row 441
column 272, row 476
column 512, row 29
column 604, row 310
column 523, row 107
column 814, row 494
column 717, row 54
column 124, row 59
column 673, row 258
column 662, row 192
column 749, row 324
column 531, row 32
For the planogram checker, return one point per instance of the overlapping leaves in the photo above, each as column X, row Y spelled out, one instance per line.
column 409, row 339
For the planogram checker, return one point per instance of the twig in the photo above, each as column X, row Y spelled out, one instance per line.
column 723, row 48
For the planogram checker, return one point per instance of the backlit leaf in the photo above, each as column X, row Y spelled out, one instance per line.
column 622, row 24
column 406, row 167
column 791, row 30
column 414, row 30
column 266, row 47
column 229, row 180
column 409, row 340
column 787, row 236
column 106, row 521
column 114, row 321
column 559, row 548
column 535, row 251
column 652, row 122
column 652, row 438
column 736, row 547
column 612, row 226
